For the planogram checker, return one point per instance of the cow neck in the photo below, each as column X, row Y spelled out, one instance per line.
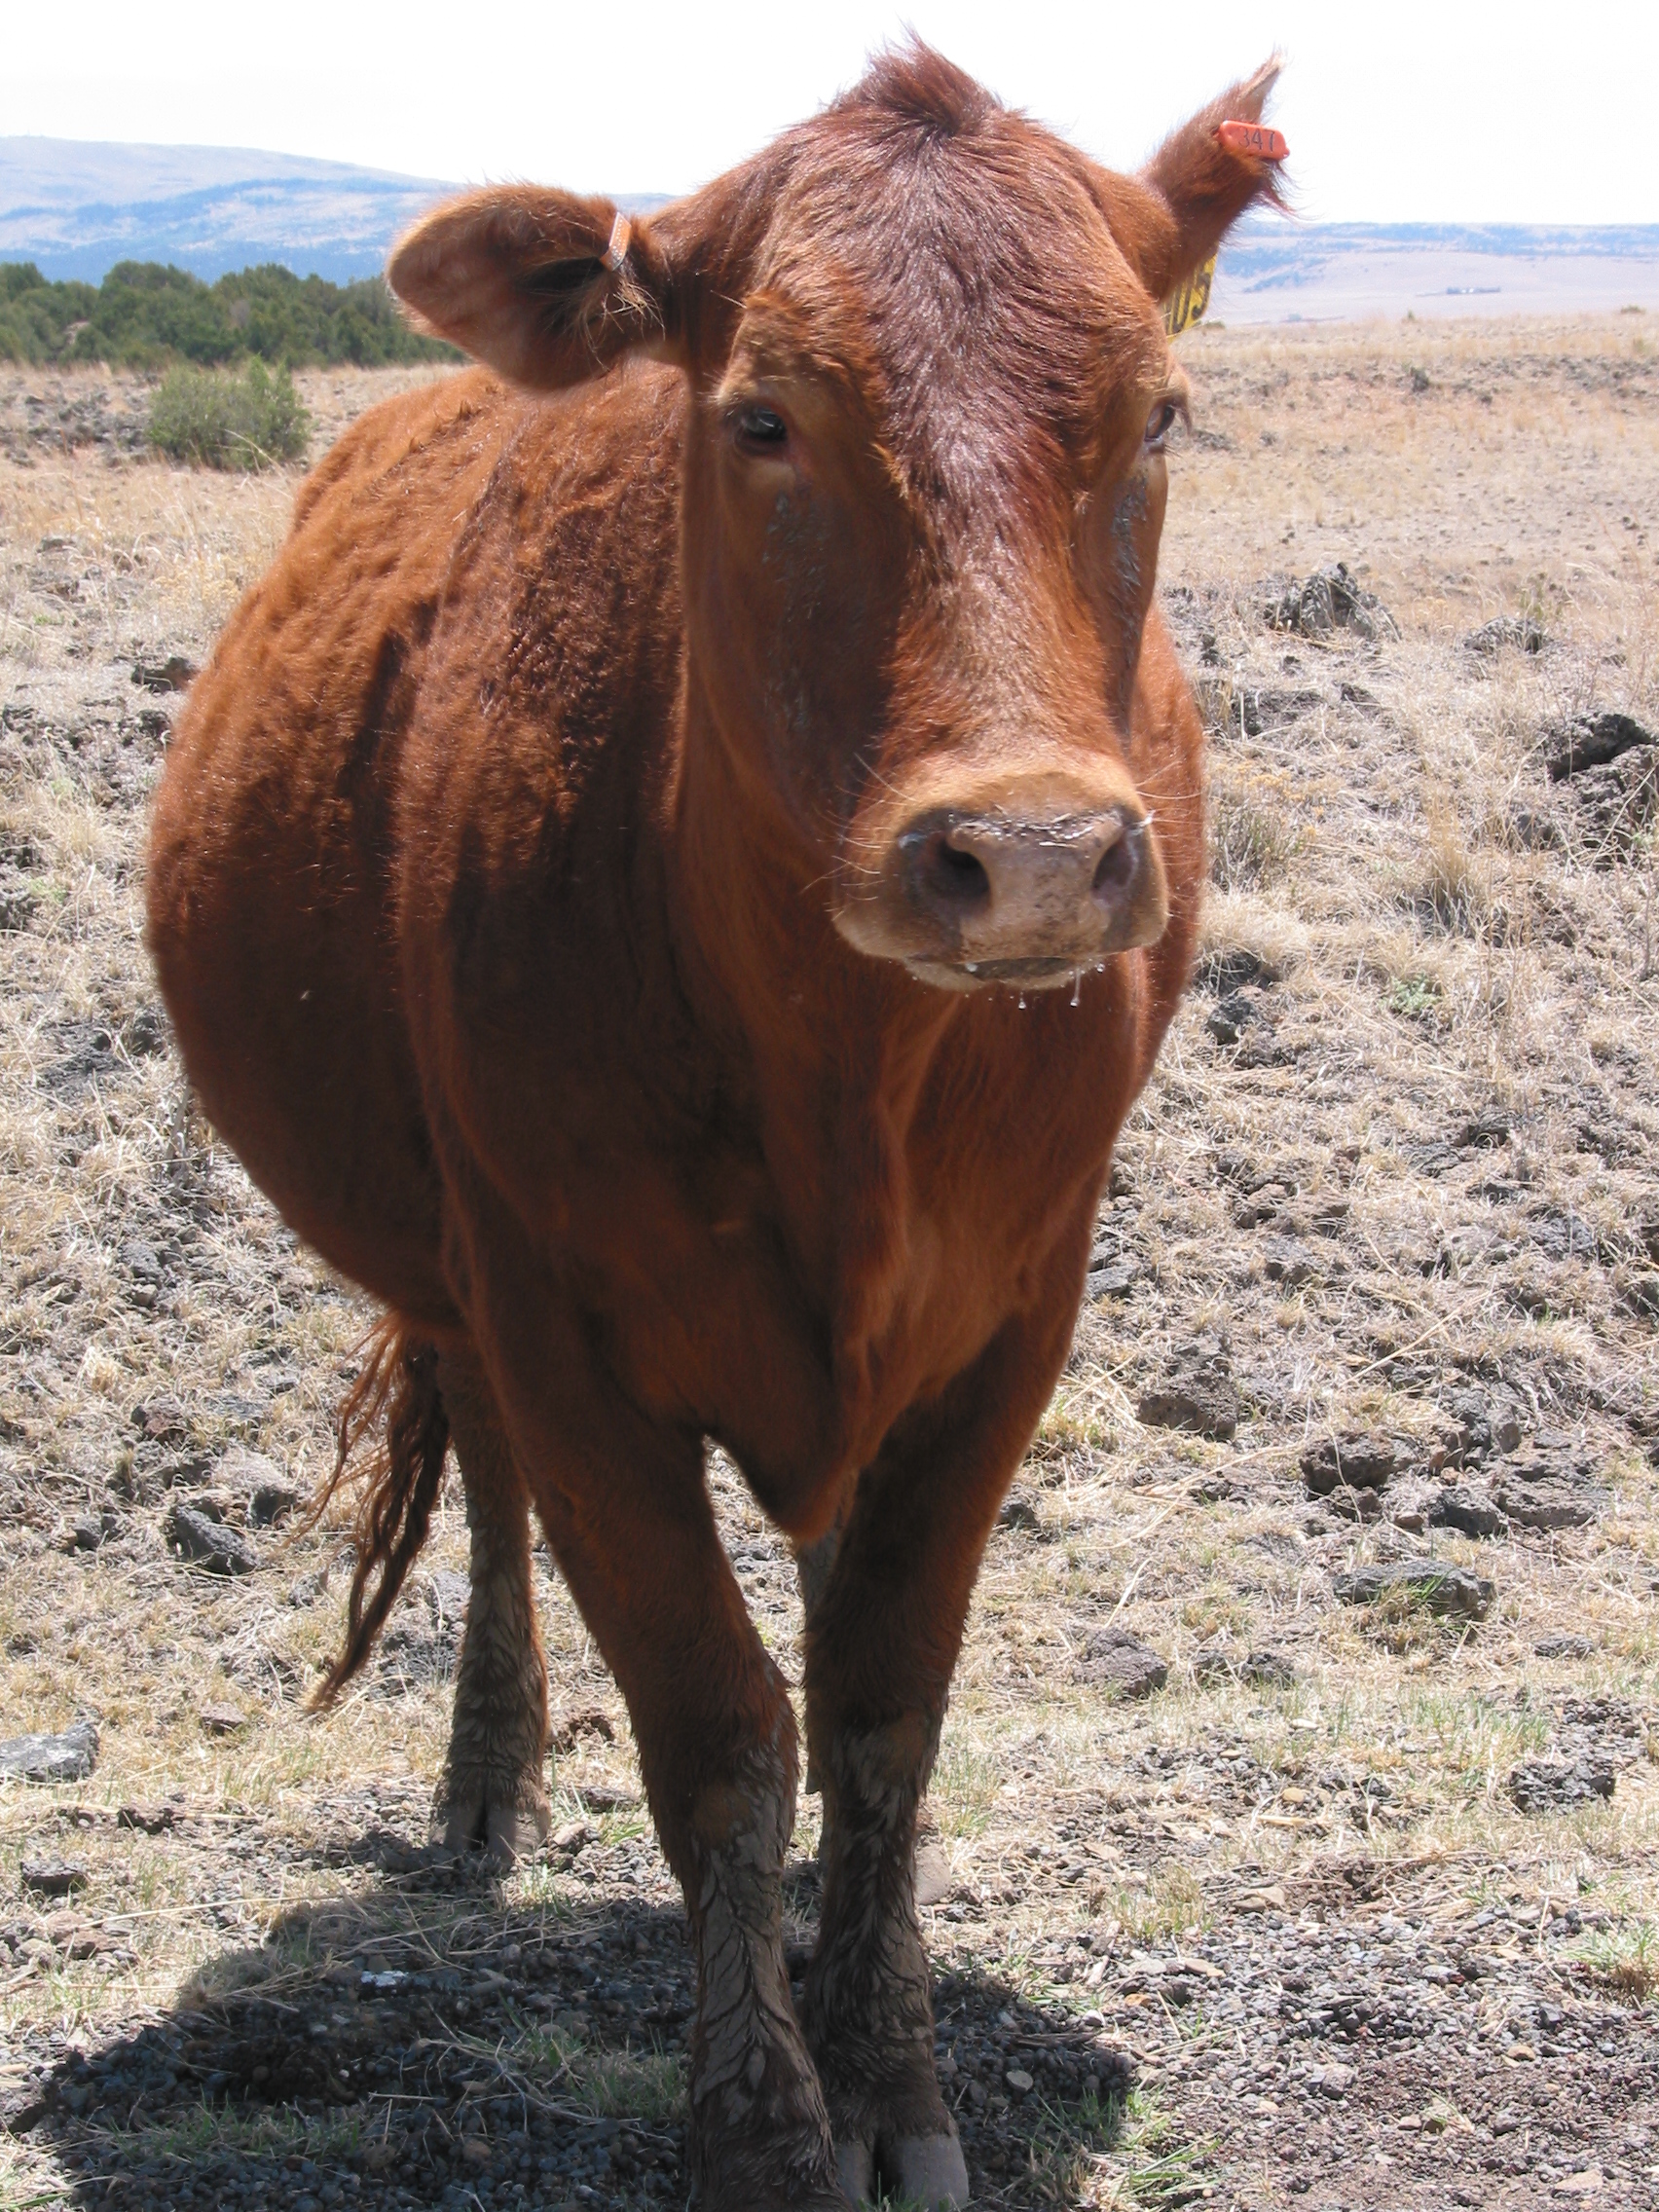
column 827, row 1049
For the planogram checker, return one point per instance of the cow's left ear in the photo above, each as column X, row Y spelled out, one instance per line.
column 545, row 287
column 1170, row 218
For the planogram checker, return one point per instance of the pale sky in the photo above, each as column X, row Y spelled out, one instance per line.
column 1396, row 111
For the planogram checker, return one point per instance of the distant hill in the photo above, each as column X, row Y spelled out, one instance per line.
column 1281, row 271
column 76, row 208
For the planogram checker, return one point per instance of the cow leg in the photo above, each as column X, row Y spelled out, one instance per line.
column 881, row 1644
column 717, row 1743
column 626, row 1510
column 491, row 1791
column 813, row 1565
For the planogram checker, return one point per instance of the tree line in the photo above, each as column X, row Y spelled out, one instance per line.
column 146, row 316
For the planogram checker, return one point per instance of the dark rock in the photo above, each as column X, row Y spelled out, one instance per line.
column 1197, row 1394
column 19, row 900
column 68, row 1757
column 1560, row 1234
column 448, row 1595
column 1233, row 966
column 1616, row 803
column 1018, row 1513
column 175, row 674
column 1258, row 710
column 1117, row 1662
column 1592, row 741
column 1517, row 632
column 271, row 1502
column 265, row 1493
column 1211, row 1489
column 1355, row 1504
column 1356, row 1459
column 1544, row 1785
column 1546, row 1506
column 1328, row 600
column 1442, row 1588
column 1260, row 1670
column 162, row 1421
column 572, row 1728
column 1432, row 1158
column 1259, row 1047
column 53, row 1877
column 142, row 1265
column 1480, row 1424
column 1641, row 1295
column 1267, row 1671
column 86, row 1535
column 1563, row 1648
column 1470, row 1510
column 1534, row 828
column 1484, row 1131
column 146, row 1034
column 149, row 1820
column 212, row 1544
column 222, row 1720
column 1231, row 1015
column 23, row 2106
column 1284, row 1260
column 88, row 1059
column 1115, row 1279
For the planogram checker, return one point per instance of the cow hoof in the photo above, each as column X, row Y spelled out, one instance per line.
column 927, row 2169
column 855, row 2168
column 507, row 1833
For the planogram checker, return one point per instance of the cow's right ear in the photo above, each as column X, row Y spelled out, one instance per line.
column 546, row 288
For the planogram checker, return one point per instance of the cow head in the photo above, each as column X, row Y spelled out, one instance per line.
column 925, row 483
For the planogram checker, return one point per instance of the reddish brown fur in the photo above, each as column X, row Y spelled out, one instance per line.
column 540, row 890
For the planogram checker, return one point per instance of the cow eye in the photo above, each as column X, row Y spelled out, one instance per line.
column 1165, row 417
column 759, row 428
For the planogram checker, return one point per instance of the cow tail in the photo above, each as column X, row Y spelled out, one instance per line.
column 396, row 1400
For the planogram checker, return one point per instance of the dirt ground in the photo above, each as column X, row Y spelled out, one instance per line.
column 1358, row 1906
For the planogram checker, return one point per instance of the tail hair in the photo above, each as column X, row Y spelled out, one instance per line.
column 396, row 1395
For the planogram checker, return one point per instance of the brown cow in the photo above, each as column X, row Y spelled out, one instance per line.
column 673, row 882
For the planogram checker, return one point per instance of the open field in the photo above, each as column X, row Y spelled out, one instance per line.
column 1361, row 1906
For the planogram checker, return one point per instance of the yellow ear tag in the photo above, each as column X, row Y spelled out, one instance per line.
column 1187, row 304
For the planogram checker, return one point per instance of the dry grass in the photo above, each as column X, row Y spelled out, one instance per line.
column 1415, row 967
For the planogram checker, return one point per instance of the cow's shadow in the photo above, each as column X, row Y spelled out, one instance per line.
column 435, row 2040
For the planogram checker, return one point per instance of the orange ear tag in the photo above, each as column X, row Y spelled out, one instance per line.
column 1254, row 138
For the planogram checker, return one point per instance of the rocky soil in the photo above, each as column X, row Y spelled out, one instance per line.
column 1297, row 1820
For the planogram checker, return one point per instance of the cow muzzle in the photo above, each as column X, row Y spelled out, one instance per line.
column 1011, row 896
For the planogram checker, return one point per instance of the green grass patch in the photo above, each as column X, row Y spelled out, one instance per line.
column 1625, row 1961
column 1413, row 998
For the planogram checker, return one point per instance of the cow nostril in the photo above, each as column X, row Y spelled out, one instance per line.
column 1117, row 864
column 954, row 876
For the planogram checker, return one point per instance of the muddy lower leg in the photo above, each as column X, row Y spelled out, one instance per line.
column 759, row 2134
column 882, row 1639
column 492, row 1789
column 716, row 1742
column 870, row 2004
column 814, row 1565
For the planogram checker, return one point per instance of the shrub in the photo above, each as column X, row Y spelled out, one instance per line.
column 144, row 316
column 226, row 422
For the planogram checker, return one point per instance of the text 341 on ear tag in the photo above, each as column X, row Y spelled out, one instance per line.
column 1254, row 138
